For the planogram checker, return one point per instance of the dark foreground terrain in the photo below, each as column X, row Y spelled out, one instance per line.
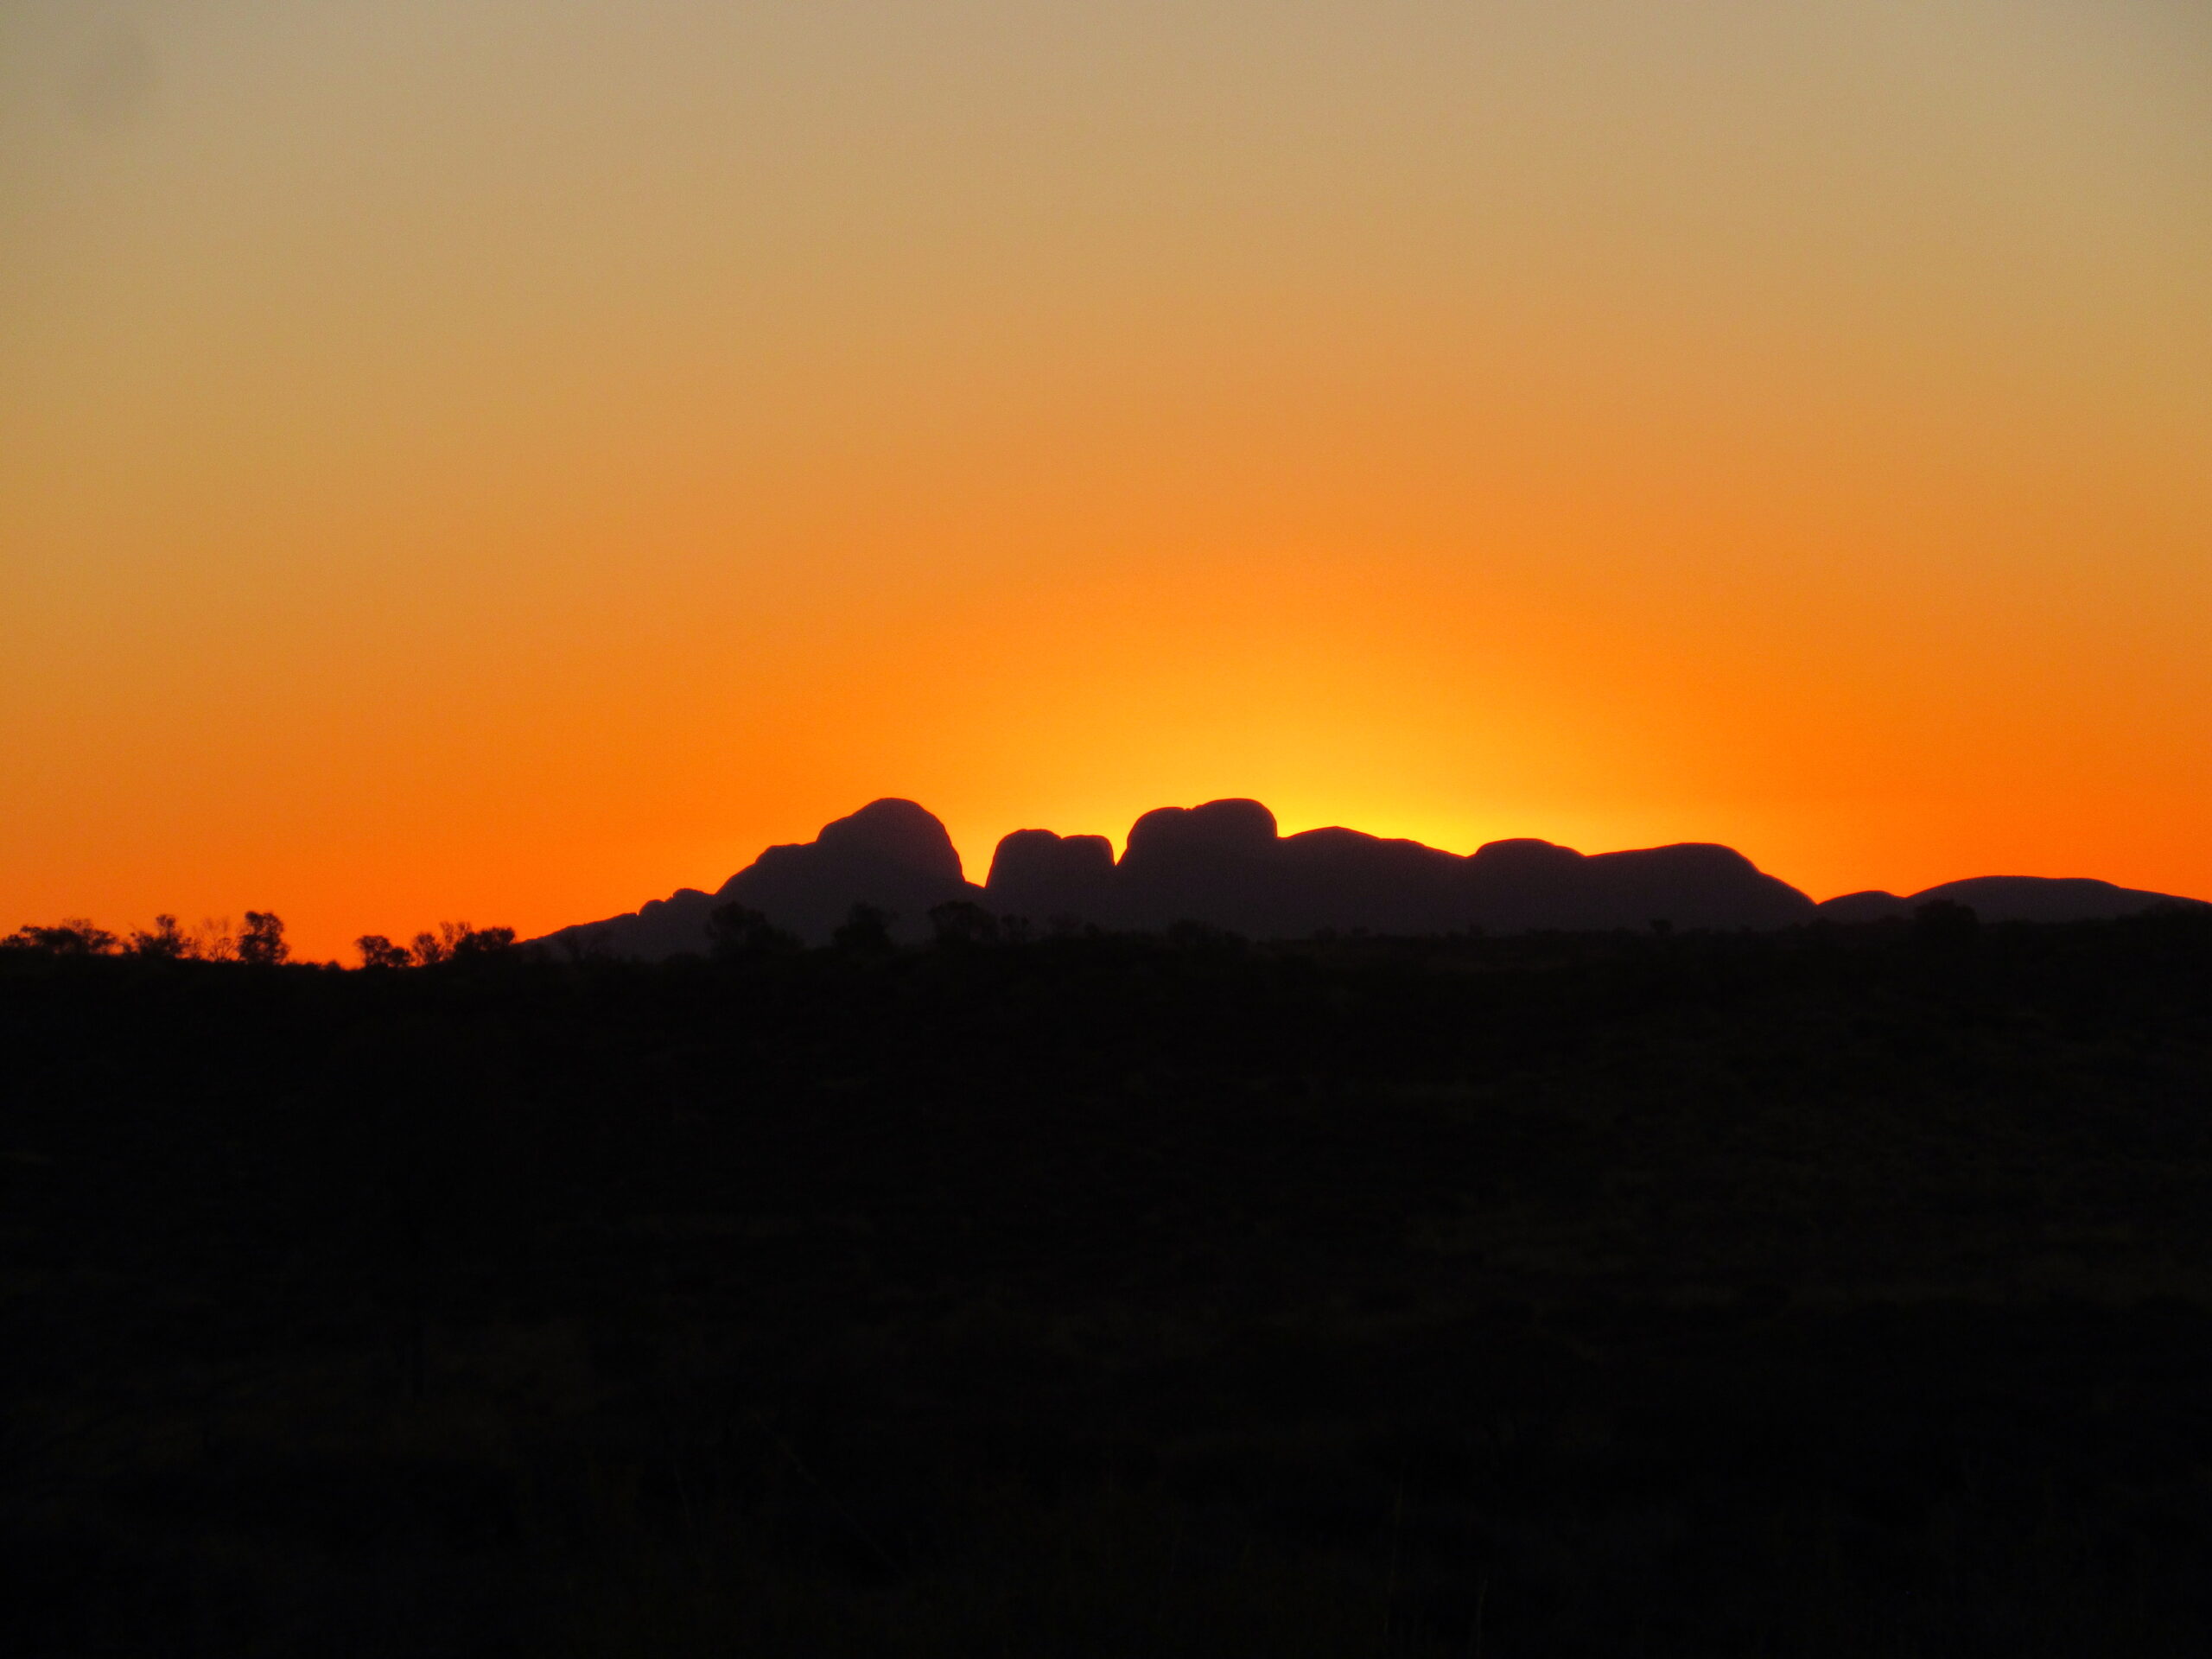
column 1831, row 1291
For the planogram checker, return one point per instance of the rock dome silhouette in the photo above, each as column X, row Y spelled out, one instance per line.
column 1225, row 864
column 896, row 833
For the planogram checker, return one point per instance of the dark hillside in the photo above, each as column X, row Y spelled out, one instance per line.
column 1829, row 1291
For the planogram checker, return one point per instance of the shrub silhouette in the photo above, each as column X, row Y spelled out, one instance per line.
column 1944, row 924
column 1190, row 934
column 166, row 943
column 960, row 922
column 73, row 936
column 378, row 951
column 735, row 932
column 432, row 947
column 865, row 930
column 262, row 941
column 483, row 941
column 451, row 941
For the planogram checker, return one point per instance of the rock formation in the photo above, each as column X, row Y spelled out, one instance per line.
column 2008, row 899
column 891, row 853
column 1224, row 864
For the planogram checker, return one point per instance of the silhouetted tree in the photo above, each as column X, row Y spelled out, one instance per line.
column 1943, row 923
column 578, row 945
column 378, row 951
column 483, row 941
column 262, row 940
column 454, row 939
column 961, row 921
column 73, row 936
column 212, row 941
column 1193, row 935
column 166, row 943
column 734, row 930
column 865, row 929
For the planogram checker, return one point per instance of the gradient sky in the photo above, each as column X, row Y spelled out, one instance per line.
column 506, row 461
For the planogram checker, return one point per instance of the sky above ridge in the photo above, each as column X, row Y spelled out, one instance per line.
column 507, row 461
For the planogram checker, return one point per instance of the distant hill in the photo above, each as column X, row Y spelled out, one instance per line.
column 2009, row 898
column 1225, row 864
column 891, row 853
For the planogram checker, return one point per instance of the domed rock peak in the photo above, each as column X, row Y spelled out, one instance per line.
column 898, row 832
column 1035, row 873
column 1230, row 826
column 1027, row 857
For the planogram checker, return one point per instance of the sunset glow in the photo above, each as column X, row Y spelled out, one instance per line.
column 507, row 463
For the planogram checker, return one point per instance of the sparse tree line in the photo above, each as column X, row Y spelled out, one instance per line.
column 260, row 942
column 734, row 932
column 454, row 941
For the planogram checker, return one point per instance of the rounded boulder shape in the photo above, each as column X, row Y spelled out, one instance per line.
column 1029, row 858
column 1230, row 826
column 1037, row 874
column 1523, row 856
column 898, row 832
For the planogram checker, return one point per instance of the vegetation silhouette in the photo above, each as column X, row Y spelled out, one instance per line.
column 1944, row 924
column 959, row 922
column 164, row 941
column 73, row 936
column 865, row 931
column 213, row 941
column 260, row 942
column 1835, row 1288
column 378, row 951
column 735, row 932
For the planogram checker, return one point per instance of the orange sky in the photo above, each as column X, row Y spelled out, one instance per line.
column 505, row 462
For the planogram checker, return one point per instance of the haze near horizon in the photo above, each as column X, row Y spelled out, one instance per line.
column 511, row 462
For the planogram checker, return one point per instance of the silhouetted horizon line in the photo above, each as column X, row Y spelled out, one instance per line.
column 1225, row 863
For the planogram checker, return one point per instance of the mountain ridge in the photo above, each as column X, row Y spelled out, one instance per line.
column 1225, row 864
